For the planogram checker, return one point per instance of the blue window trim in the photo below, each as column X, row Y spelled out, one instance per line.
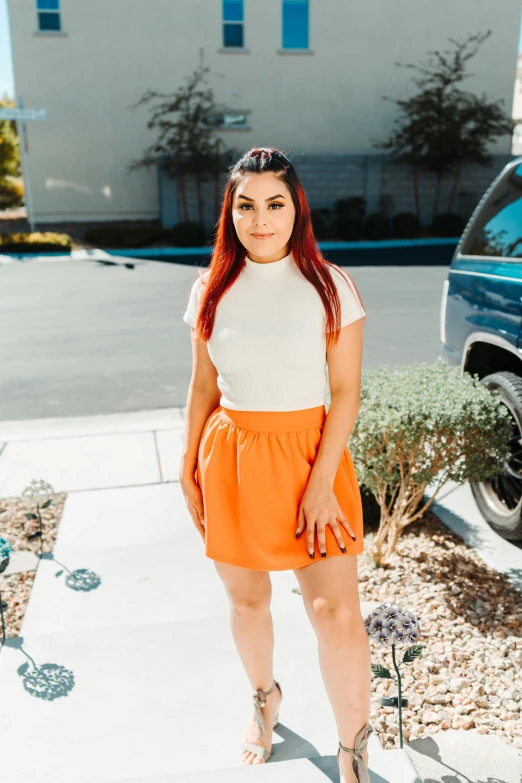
column 295, row 24
column 233, row 14
column 233, row 11
column 47, row 5
column 48, row 15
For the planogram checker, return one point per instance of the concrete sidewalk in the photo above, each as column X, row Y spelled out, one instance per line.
column 126, row 669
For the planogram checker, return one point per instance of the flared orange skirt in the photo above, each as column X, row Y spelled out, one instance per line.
column 253, row 468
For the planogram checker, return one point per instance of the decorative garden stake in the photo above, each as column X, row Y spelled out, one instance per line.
column 38, row 490
column 390, row 625
column 5, row 554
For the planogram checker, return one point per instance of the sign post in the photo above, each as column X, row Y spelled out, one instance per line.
column 22, row 115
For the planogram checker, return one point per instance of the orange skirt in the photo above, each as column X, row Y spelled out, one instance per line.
column 253, row 468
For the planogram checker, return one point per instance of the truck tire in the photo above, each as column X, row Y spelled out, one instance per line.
column 500, row 499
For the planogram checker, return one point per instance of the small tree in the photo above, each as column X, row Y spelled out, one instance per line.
column 442, row 127
column 9, row 157
column 9, row 147
column 187, row 141
column 418, row 426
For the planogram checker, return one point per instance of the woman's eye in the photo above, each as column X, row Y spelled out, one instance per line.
column 249, row 206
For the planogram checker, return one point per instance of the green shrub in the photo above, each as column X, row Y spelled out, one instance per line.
column 11, row 194
column 377, row 226
column 125, row 236
column 189, row 233
column 352, row 207
column 447, row 224
column 46, row 242
column 349, row 229
column 406, row 225
column 422, row 425
column 323, row 222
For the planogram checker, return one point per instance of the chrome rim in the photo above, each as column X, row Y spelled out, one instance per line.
column 503, row 493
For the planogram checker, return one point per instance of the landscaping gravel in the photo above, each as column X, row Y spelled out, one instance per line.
column 469, row 674
column 16, row 588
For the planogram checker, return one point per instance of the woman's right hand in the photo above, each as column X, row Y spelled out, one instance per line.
column 194, row 500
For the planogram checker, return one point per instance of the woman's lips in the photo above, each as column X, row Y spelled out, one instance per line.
column 261, row 236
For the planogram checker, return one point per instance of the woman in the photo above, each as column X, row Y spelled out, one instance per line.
column 264, row 470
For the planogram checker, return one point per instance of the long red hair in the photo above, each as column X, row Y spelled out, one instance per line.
column 229, row 254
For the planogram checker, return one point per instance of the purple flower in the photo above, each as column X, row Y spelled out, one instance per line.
column 390, row 624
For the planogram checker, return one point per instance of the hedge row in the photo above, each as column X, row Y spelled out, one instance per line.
column 378, row 226
column 46, row 242
column 327, row 225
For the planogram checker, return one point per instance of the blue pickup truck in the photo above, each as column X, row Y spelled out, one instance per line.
column 481, row 328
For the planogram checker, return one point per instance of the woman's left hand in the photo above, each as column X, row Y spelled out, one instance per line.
column 319, row 507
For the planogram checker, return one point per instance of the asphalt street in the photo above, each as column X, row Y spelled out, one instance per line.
column 81, row 338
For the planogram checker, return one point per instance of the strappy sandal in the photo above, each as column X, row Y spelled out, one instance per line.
column 259, row 699
column 360, row 770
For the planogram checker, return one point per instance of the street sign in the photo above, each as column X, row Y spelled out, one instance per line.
column 23, row 114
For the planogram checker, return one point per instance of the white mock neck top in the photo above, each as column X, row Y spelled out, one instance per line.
column 268, row 343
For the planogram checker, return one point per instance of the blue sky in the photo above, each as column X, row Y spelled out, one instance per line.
column 6, row 70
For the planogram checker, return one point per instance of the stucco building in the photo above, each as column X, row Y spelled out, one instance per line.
column 306, row 76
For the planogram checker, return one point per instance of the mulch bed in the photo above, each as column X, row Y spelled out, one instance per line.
column 470, row 616
column 14, row 526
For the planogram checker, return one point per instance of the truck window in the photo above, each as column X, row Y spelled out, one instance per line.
column 497, row 229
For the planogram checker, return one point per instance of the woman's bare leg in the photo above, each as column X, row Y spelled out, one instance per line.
column 331, row 598
column 249, row 593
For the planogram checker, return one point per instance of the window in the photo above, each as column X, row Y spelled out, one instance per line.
column 295, row 24
column 48, row 14
column 497, row 230
column 227, row 119
column 233, row 23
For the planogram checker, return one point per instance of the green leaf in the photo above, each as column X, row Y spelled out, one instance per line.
column 47, row 503
column 381, row 671
column 31, row 516
column 413, row 652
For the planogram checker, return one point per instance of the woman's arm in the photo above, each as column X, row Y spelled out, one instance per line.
column 344, row 373
column 202, row 398
column 319, row 505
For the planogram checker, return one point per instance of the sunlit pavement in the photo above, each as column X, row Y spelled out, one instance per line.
column 144, row 682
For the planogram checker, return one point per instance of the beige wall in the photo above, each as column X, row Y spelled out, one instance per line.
column 329, row 101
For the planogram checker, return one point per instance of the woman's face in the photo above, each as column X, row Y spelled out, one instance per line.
column 263, row 213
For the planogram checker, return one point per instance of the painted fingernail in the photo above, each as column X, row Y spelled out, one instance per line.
column 353, row 538
column 323, row 554
column 312, row 554
column 297, row 534
column 343, row 549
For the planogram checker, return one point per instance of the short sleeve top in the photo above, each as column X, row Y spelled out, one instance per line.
column 268, row 343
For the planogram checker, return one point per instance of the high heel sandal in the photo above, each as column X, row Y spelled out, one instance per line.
column 259, row 699
column 360, row 770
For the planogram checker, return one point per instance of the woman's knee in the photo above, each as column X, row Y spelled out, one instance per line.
column 246, row 604
column 336, row 621
column 249, row 592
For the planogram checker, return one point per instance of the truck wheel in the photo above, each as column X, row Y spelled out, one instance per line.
column 500, row 499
